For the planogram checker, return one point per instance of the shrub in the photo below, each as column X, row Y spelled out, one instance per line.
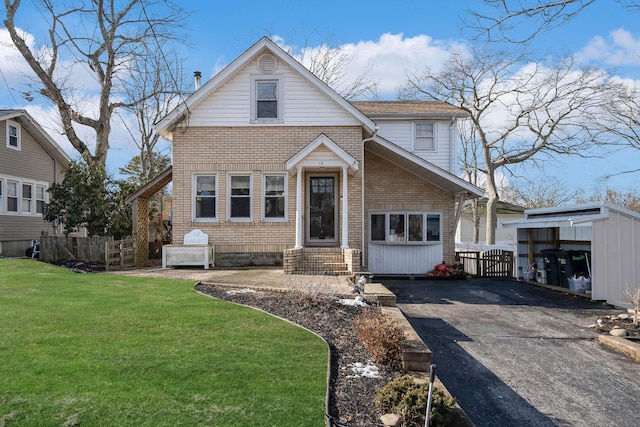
column 381, row 335
column 408, row 399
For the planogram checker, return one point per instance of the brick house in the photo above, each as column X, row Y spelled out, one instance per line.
column 278, row 169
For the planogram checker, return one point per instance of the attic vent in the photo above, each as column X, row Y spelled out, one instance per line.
column 267, row 63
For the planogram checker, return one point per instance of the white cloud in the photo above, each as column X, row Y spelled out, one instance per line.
column 619, row 49
column 391, row 56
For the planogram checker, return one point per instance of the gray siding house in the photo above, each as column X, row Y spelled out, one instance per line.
column 30, row 161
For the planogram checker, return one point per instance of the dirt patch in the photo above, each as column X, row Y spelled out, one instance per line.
column 351, row 395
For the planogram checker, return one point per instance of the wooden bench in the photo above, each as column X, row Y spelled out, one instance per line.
column 194, row 251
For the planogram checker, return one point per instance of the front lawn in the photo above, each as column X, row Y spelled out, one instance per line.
column 108, row 350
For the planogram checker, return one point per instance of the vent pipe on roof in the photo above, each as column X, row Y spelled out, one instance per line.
column 196, row 77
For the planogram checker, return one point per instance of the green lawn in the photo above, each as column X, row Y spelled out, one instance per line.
column 107, row 350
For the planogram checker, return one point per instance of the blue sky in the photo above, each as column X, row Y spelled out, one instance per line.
column 389, row 37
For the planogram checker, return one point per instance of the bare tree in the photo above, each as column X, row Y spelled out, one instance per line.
column 331, row 65
column 470, row 163
column 545, row 193
column 102, row 38
column 520, row 113
column 629, row 200
column 516, row 21
column 159, row 84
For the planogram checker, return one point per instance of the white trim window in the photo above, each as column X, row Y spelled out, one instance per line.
column 405, row 227
column 205, row 201
column 12, row 196
column 274, row 197
column 13, row 135
column 41, row 198
column 1, row 195
column 266, row 99
column 239, row 192
column 424, row 136
column 27, row 197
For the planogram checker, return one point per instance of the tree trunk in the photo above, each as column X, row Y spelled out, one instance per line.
column 492, row 207
column 475, row 218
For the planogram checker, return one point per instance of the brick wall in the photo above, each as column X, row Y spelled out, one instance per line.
column 255, row 150
column 389, row 187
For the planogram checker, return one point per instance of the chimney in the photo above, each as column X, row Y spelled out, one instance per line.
column 196, row 77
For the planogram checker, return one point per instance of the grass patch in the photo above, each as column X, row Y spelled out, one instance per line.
column 107, row 350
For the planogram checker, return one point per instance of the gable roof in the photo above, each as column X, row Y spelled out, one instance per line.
column 166, row 125
column 406, row 109
column 39, row 134
column 323, row 140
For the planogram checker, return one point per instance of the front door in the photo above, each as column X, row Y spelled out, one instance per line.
column 322, row 212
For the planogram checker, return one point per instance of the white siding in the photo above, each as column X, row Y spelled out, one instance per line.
column 303, row 103
column 617, row 266
column 404, row 259
column 400, row 132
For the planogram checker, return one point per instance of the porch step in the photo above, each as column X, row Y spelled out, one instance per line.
column 322, row 261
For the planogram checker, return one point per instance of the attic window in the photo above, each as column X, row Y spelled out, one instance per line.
column 266, row 99
column 267, row 63
column 13, row 135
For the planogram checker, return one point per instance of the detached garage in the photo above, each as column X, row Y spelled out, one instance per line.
column 607, row 234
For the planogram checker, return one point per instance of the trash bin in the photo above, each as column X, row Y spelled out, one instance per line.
column 555, row 262
column 578, row 263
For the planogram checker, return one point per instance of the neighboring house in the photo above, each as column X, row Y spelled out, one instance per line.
column 506, row 238
column 30, row 161
column 277, row 168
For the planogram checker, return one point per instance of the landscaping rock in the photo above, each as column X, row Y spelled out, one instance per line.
column 390, row 420
column 624, row 316
column 618, row 332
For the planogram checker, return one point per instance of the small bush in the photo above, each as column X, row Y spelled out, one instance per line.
column 408, row 399
column 381, row 335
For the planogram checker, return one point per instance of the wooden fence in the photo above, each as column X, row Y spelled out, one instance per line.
column 120, row 254
column 90, row 249
column 493, row 263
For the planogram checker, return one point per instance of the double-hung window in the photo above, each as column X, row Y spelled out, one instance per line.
column 266, row 99
column 205, row 202
column 12, row 196
column 13, row 135
column 27, row 198
column 424, row 136
column 274, row 197
column 405, row 227
column 41, row 193
column 239, row 197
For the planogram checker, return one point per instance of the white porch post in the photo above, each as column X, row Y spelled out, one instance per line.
column 345, row 210
column 298, row 208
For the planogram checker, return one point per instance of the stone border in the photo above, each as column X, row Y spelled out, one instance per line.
column 622, row 345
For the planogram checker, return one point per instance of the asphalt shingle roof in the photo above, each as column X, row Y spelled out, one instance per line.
column 407, row 108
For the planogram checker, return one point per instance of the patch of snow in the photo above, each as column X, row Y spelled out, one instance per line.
column 370, row 370
column 356, row 302
column 240, row 291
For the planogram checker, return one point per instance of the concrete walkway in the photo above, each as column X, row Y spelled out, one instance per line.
column 263, row 278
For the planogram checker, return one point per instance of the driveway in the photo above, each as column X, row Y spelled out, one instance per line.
column 515, row 354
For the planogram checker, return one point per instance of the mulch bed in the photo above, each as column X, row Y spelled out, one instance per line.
column 351, row 397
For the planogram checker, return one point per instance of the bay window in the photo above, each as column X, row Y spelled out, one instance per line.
column 404, row 227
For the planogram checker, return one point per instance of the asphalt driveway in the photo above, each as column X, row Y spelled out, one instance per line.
column 515, row 354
